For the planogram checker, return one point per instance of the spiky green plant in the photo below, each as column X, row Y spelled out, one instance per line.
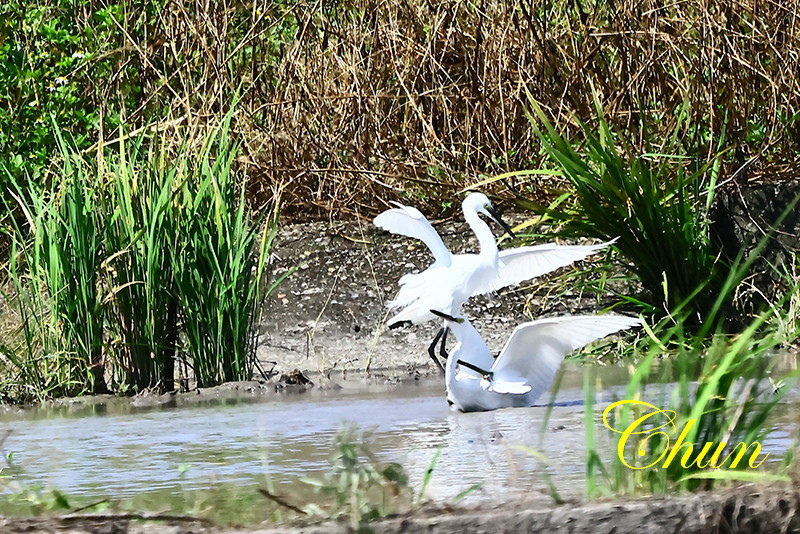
column 58, row 252
column 131, row 252
column 656, row 203
column 721, row 395
column 220, row 270
column 141, row 236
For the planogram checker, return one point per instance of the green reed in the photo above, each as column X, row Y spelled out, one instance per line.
column 656, row 202
column 721, row 395
column 221, row 268
column 717, row 385
column 131, row 260
column 56, row 258
column 142, row 234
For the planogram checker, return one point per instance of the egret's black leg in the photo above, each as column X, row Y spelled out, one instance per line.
column 443, row 347
column 432, row 349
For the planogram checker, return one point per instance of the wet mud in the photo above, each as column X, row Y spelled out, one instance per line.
column 327, row 318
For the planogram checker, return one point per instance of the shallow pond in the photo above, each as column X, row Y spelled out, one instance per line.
column 158, row 458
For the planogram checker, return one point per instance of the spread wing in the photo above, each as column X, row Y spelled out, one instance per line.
column 536, row 349
column 410, row 222
column 523, row 263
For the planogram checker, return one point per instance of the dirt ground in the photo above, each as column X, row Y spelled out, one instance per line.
column 324, row 322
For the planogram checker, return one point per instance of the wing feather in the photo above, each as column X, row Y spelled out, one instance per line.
column 536, row 349
column 410, row 222
column 518, row 264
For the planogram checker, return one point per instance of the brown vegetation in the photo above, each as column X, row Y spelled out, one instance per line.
column 350, row 102
column 398, row 97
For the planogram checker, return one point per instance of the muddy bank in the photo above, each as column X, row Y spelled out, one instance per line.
column 327, row 317
column 745, row 509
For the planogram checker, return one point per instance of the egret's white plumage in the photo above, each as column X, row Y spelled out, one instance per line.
column 527, row 364
column 410, row 222
column 453, row 278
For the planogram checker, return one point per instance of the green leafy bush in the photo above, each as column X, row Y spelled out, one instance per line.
column 657, row 203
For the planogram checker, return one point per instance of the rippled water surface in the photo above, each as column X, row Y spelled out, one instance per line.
column 155, row 458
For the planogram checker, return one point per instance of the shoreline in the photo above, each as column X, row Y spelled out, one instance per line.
column 745, row 509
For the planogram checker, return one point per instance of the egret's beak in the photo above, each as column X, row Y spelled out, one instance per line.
column 499, row 220
column 487, row 375
column 446, row 317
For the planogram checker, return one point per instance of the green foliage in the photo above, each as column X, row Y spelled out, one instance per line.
column 51, row 56
column 721, row 386
column 124, row 253
column 141, row 233
column 63, row 261
column 359, row 486
column 220, row 271
column 88, row 67
column 656, row 206
column 39, row 501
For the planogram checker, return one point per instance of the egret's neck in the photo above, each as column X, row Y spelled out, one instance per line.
column 451, row 363
column 482, row 232
column 469, row 339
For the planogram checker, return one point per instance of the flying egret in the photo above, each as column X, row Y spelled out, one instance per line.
column 453, row 278
column 527, row 364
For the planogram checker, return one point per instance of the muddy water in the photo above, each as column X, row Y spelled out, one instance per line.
column 156, row 459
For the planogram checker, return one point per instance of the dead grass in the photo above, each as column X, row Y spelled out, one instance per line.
column 351, row 103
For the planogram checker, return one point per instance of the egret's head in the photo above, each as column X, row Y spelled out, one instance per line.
column 477, row 202
column 480, row 203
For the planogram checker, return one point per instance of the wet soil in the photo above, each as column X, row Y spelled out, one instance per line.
column 323, row 326
column 746, row 509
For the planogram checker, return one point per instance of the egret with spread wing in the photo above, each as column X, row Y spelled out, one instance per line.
column 527, row 364
column 453, row 278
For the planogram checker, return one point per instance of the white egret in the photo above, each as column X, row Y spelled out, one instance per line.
column 527, row 364
column 453, row 278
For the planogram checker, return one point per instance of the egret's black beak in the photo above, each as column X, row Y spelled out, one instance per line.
column 499, row 220
column 450, row 318
column 488, row 375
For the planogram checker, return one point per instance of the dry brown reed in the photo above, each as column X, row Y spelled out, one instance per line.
column 349, row 103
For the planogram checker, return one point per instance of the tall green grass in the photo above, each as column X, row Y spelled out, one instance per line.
column 721, row 390
column 656, row 202
column 721, row 394
column 55, row 270
column 220, row 270
column 142, row 234
column 134, row 259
